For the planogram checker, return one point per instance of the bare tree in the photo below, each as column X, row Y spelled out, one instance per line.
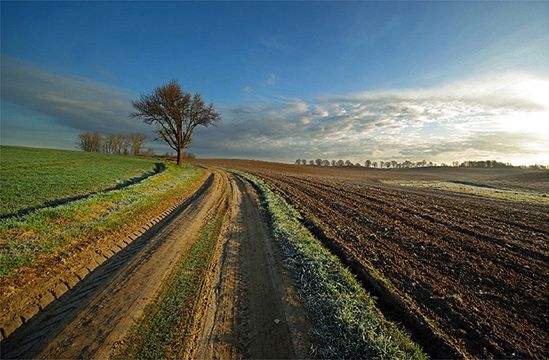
column 348, row 163
column 318, row 162
column 374, row 164
column 137, row 140
column 340, row 163
column 298, row 162
column 311, row 162
column 89, row 141
column 176, row 114
column 122, row 144
column 367, row 163
column 109, row 144
column 334, row 163
column 303, row 162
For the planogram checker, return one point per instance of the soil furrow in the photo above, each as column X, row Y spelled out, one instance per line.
column 479, row 279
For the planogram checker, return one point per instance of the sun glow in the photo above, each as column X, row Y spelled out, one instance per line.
column 536, row 91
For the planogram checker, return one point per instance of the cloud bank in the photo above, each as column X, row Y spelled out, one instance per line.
column 504, row 117
column 75, row 102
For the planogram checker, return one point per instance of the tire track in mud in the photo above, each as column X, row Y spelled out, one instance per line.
column 24, row 299
column 87, row 320
column 254, row 311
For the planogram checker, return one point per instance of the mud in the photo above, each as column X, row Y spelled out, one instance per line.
column 31, row 289
column 248, row 308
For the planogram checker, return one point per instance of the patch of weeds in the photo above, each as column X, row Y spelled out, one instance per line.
column 346, row 322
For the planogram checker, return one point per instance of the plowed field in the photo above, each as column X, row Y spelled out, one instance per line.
column 474, row 268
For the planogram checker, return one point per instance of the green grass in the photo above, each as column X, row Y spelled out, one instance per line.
column 346, row 321
column 163, row 331
column 52, row 230
column 500, row 194
column 33, row 177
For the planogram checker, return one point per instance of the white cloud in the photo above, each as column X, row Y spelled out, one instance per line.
column 248, row 90
column 501, row 117
column 463, row 120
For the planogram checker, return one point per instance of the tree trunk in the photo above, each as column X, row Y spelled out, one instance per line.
column 179, row 156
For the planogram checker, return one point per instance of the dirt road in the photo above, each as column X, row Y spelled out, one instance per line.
column 94, row 315
column 253, row 310
column 250, row 309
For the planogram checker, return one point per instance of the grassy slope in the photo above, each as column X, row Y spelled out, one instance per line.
column 53, row 230
column 164, row 329
column 347, row 323
column 32, row 177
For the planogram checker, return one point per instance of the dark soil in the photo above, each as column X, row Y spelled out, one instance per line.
column 476, row 267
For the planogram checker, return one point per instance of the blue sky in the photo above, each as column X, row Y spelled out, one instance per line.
column 322, row 79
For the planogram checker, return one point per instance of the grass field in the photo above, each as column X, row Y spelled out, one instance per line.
column 502, row 194
column 33, row 178
column 51, row 230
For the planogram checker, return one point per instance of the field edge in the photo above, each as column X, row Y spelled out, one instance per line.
column 329, row 290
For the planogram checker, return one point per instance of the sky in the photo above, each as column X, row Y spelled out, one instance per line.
column 440, row 81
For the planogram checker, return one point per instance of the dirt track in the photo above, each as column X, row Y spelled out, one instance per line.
column 264, row 319
column 250, row 308
column 95, row 314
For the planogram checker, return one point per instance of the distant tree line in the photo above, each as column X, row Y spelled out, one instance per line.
column 393, row 164
column 122, row 144
column 186, row 156
column 484, row 164
column 368, row 163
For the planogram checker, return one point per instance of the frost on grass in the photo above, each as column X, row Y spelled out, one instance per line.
column 347, row 324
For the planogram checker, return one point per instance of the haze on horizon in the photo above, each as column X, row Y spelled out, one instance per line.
column 364, row 80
